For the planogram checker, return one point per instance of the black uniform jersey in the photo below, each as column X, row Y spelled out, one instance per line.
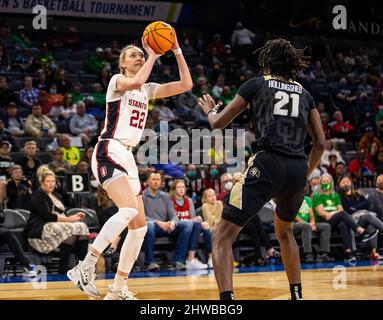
column 279, row 114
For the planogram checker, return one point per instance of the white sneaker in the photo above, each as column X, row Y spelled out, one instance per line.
column 210, row 263
column 123, row 294
column 195, row 264
column 84, row 279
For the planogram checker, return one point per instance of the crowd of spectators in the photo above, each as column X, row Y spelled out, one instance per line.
column 53, row 91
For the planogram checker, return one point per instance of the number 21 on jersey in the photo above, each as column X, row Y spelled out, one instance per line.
column 281, row 106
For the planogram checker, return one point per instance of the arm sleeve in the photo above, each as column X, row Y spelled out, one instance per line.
column 250, row 88
column 151, row 89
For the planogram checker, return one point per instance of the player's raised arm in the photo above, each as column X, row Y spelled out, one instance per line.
column 136, row 59
column 184, row 84
column 315, row 130
column 222, row 119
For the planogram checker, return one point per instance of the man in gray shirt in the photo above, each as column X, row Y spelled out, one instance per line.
column 83, row 124
column 162, row 221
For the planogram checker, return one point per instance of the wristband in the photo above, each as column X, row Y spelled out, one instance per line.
column 177, row 51
column 212, row 110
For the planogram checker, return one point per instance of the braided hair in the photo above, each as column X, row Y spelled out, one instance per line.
column 279, row 57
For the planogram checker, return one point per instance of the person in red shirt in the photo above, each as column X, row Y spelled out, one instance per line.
column 184, row 208
column 226, row 185
column 342, row 129
column 360, row 166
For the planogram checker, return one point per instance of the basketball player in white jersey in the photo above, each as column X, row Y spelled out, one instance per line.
column 113, row 163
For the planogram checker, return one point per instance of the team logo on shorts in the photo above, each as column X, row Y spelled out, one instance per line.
column 255, row 172
column 103, row 171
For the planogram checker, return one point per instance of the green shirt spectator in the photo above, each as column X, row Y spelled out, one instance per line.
column 97, row 62
column 304, row 211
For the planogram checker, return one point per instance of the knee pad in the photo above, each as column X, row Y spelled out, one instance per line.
column 117, row 223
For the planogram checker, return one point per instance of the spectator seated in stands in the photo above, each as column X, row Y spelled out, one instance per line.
column 345, row 99
column 360, row 166
column 29, row 163
column 5, row 135
column 71, row 153
column 54, row 97
column 58, row 165
column 49, row 228
column 38, row 125
column 327, row 205
column 162, row 221
column 306, row 225
column 377, row 161
column 12, row 122
column 97, row 61
column 5, row 61
column 342, row 129
column 184, row 208
column 358, row 206
column 211, row 208
column 5, row 159
column 226, row 181
column 368, row 139
column 242, row 40
column 63, row 85
column 8, row 238
column 29, row 95
column 19, row 189
column 170, row 170
column 330, row 150
column 376, row 197
column 19, row 38
column 99, row 98
column 63, row 112
column 76, row 93
column 186, row 104
column 83, row 124
column 6, row 95
column 340, row 170
column 164, row 112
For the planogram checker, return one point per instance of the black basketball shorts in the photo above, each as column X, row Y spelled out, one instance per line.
column 268, row 176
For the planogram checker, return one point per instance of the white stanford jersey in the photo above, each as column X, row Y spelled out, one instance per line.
column 126, row 113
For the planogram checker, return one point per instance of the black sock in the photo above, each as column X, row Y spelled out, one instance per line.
column 296, row 291
column 226, row 295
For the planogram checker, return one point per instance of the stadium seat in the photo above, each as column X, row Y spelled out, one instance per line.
column 91, row 218
column 75, row 66
column 43, row 142
column 62, row 55
column 44, row 157
column 25, row 213
column 20, row 141
column 89, row 78
column 14, row 220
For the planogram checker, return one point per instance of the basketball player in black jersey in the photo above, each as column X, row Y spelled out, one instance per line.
column 282, row 113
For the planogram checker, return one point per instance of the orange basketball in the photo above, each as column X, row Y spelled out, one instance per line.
column 160, row 36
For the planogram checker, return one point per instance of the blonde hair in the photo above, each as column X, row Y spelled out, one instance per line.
column 320, row 191
column 122, row 57
column 173, row 186
column 43, row 172
column 14, row 168
column 204, row 194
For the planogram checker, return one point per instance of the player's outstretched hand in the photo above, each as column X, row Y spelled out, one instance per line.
column 148, row 49
column 175, row 45
column 207, row 103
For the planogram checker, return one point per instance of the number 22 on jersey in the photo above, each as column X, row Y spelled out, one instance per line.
column 137, row 119
column 285, row 100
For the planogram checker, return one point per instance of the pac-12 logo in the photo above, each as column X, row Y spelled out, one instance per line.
column 103, row 171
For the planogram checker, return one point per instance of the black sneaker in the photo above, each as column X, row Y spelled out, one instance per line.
column 368, row 236
column 309, row 258
column 324, row 257
column 351, row 259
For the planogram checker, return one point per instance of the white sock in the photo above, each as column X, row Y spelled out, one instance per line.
column 119, row 282
column 90, row 260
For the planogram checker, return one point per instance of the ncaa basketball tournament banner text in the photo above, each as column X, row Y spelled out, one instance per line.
column 113, row 9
